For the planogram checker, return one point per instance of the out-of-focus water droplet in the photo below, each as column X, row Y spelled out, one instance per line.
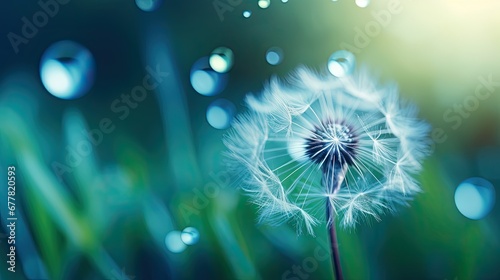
column 247, row 13
column 174, row 243
column 284, row 1
column 190, row 236
column 221, row 59
column 205, row 80
column 148, row 5
column 67, row 70
column 341, row 63
column 221, row 113
column 475, row 197
column 264, row 4
column 274, row 56
column 362, row 3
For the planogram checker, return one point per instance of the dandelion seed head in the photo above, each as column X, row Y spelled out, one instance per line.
column 314, row 138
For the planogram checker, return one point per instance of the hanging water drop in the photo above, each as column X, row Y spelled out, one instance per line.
column 190, row 236
column 341, row 63
column 274, row 56
column 264, row 4
column 67, row 70
column 362, row 3
column 475, row 198
column 221, row 59
column 148, row 5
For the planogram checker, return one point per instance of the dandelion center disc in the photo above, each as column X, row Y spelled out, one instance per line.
column 331, row 142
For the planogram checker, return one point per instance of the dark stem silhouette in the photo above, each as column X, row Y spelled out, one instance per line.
column 334, row 246
column 333, row 176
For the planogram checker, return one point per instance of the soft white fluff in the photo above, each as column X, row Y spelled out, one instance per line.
column 267, row 148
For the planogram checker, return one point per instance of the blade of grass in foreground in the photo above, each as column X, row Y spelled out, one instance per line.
column 173, row 107
column 227, row 231
column 46, row 235
column 41, row 182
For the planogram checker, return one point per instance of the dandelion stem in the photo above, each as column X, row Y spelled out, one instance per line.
column 337, row 268
column 333, row 176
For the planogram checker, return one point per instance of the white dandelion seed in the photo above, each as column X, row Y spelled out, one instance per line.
column 349, row 142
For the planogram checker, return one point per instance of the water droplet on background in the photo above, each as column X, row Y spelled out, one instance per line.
column 220, row 113
column 221, row 59
column 148, row 5
column 205, row 80
column 284, row 1
column 475, row 198
column 341, row 63
column 274, row 56
column 362, row 3
column 264, row 4
column 67, row 70
column 190, row 236
column 174, row 243
column 247, row 13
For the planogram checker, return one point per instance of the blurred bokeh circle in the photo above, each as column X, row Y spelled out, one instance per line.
column 475, row 198
column 67, row 70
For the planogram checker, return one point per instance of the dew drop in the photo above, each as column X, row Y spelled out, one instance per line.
column 174, row 243
column 362, row 3
column 190, row 236
column 221, row 59
column 475, row 197
column 274, row 56
column 148, row 5
column 247, row 13
column 205, row 80
column 67, row 70
column 221, row 113
column 264, row 4
column 341, row 63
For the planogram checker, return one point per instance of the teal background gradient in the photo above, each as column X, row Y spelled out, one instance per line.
column 160, row 168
